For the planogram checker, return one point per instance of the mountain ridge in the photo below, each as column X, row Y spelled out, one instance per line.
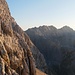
column 52, row 42
column 51, row 26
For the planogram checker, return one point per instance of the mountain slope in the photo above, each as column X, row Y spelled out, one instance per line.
column 16, row 57
column 39, row 59
column 52, row 42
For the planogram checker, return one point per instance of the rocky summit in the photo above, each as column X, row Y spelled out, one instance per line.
column 17, row 52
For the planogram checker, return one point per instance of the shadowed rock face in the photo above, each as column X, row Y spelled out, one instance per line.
column 15, row 54
column 52, row 42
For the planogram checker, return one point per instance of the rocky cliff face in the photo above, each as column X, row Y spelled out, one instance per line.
column 15, row 55
column 18, row 55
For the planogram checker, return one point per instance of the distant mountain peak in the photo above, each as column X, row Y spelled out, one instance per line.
column 45, row 26
column 66, row 28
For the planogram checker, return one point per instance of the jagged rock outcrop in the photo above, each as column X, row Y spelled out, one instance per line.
column 15, row 54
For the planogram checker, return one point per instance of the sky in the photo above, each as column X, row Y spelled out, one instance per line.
column 35, row 13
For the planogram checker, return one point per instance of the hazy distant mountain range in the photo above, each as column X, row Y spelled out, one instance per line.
column 56, row 45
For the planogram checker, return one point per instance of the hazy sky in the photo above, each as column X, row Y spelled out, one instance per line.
column 31, row 13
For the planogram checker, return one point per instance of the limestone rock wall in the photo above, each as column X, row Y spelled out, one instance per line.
column 15, row 54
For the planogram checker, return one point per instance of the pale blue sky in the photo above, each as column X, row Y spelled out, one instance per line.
column 31, row 13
